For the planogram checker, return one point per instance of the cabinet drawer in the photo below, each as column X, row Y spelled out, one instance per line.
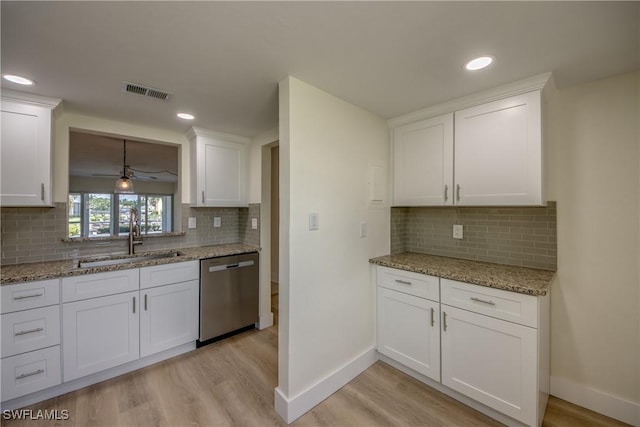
column 29, row 330
column 166, row 274
column 23, row 296
column 416, row 284
column 99, row 284
column 511, row 306
column 30, row 372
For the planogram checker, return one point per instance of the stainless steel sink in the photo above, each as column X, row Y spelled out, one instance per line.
column 125, row 259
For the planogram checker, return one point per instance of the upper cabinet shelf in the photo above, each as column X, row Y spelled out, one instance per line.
column 485, row 150
column 26, row 149
column 219, row 169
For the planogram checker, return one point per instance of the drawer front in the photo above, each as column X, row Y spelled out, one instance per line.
column 166, row 274
column 24, row 296
column 416, row 284
column 30, row 330
column 100, row 284
column 510, row 306
column 30, row 372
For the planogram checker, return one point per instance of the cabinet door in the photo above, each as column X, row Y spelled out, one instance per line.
column 169, row 317
column 100, row 333
column 25, row 155
column 498, row 152
column 221, row 173
column 491, row 361
column 423, row 162
column 409, row 331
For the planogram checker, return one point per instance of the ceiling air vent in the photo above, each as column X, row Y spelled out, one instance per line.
column 144, row 91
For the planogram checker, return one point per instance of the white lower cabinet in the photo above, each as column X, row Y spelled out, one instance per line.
column 409, row 331
column 168, row 316
column 487, row 344
column 30, row 372
column 100, row 333
column 491, row 361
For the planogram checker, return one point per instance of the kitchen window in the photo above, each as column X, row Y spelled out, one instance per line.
column 104, row 214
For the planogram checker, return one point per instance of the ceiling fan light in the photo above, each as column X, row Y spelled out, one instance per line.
column 123, row 186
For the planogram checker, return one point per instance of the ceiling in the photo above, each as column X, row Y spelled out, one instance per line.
column 222, row 61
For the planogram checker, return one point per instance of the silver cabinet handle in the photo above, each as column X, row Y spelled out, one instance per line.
column 444, row 320
column 482, row 301
column 28, row 296
column 42, row 191
column 134, row 305
column 458, row 192
column 433, row 320
column 30, row 374
column 203, row 197
column 446, row 193
column 30, row 331
column 145, row 302
column 404, row 282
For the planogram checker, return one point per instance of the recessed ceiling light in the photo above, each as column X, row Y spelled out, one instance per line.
column 479, row 63
column 18, row 79
column 185, row 116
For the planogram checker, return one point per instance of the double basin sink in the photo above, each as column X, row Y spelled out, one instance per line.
column 125, row 259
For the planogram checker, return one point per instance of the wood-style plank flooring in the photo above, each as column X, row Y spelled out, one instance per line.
column 231, row 383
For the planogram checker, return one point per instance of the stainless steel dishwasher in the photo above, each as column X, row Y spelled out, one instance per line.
column 229, row 295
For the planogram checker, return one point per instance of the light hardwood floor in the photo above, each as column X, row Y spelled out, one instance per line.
column 231, row 383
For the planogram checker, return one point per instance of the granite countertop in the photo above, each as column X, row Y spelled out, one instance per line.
column 55, row 269
column 523, row 280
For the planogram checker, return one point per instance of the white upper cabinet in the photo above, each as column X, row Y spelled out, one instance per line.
column 498, row 152
column 423, row 162
column 219, row 169
column 26, row 149
column 487, row 150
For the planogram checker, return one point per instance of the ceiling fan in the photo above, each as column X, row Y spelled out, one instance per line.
column 129, row 173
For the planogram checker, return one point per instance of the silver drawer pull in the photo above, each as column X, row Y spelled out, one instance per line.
column 482, row 301
column 433, row 321
column 28, row 296
column 444, row 321
column 30, row 374
column 30, row 331
column 404, row 282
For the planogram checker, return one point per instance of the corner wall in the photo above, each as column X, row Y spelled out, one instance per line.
column 326, row 298
column 593, row 139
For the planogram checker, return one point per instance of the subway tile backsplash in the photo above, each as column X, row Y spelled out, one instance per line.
column 523, row 236
column 36, row 234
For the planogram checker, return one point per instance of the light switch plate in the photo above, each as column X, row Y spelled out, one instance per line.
column 254, row 223
column 217, row 221
column 192, row 222
column 457, row 231
column 363, row 229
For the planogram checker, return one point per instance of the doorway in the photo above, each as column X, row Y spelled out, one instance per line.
column 275, row 229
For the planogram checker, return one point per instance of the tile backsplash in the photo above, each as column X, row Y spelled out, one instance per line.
column 523, row 236
column 36, row 234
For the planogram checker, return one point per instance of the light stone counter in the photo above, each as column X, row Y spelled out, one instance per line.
column 55, row 269
column 523, row 280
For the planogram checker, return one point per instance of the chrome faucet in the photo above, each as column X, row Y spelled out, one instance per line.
column 135, row 236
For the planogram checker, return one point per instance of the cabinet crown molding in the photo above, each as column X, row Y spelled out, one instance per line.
column 206, row 133
column 537, row 82
column 41, row 101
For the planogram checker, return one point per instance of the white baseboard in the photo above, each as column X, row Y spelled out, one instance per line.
column 292, row 408
column 596, row 400
column 265, row 321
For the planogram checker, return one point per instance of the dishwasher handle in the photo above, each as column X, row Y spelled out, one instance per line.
column 230, row 266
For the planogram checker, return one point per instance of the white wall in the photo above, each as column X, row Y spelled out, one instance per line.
column 73, row 121
column 593, row 171
column 326, row 297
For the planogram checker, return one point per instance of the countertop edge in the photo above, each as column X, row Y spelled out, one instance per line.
column 65, row 268
column 507, row 284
